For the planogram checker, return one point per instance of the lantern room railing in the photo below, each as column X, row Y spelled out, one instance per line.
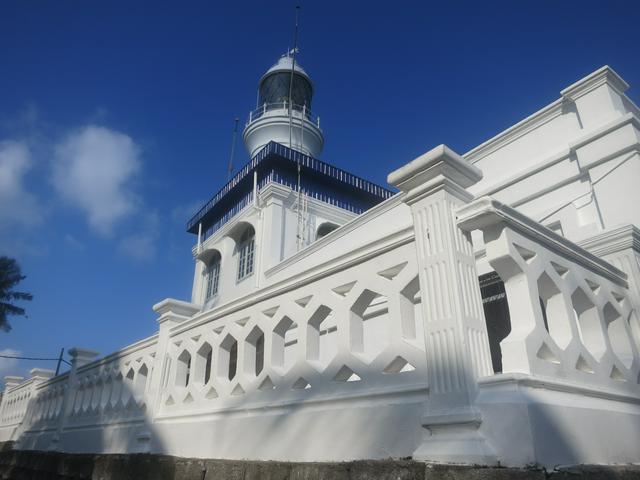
column 299, row 111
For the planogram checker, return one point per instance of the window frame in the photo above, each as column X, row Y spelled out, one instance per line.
column 212, row 279
column 246, row 255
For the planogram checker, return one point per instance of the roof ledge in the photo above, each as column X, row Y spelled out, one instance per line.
column 604, row 75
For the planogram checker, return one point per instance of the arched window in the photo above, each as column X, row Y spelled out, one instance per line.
column 325, row 229
column 246, row 247
column 212, row 277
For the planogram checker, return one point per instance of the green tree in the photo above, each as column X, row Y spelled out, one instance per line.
column 10, row 276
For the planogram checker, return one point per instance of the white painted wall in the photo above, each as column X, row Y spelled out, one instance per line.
column 562, row 164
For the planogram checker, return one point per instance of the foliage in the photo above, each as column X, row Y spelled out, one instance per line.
column 10, row 276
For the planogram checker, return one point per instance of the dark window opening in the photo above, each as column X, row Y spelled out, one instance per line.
column 496, row 312
column 233, row 360
column 207, row 367
column 259, row 354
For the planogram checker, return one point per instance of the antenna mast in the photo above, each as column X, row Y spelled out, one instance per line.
column 233, row 150
column 299, row 233
column 292, row 53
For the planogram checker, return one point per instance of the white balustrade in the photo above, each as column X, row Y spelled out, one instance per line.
column 350, row 333
column 570, row 311
column 18, row 400
column 109, row 390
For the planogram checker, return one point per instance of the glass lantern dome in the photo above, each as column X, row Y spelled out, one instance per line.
column 274, row 85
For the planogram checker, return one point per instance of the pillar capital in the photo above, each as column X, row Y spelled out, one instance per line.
column 81, row 356
column 439, row 169
column 12, row 381
column 41, row 373
column 174, row 311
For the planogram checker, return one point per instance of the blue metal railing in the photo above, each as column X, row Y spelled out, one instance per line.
column 305, row 161
column 274, row 177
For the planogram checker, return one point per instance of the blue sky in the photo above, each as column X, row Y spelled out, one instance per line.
column 116, row 121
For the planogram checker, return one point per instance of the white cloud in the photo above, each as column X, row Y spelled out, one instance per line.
column 18, row 207
column 9, row 366
column 92, row 170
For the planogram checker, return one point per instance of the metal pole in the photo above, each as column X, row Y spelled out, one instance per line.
column 255, row 187
column 304, row 116
column 233, row 149
column 293, row 66
column 59, row 361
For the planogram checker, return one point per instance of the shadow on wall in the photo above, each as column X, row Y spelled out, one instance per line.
column 567, row 426
column 98, row 407
column 283, row 379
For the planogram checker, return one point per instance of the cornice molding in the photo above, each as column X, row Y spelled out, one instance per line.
column 604, row 75
column 530, row 123
column 583, row 86
column 273, row 190
column 613, row 241
column 564, row 154
column 628, row 118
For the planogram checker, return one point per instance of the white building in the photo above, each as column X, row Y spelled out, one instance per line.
column 485, row 314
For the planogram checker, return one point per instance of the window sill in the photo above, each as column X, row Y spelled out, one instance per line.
column 240, row 280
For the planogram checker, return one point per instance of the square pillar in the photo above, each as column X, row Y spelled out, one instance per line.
column 171, row 313
column 79, row 358
column 456, row 341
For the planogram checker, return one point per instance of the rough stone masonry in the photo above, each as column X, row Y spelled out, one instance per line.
column 34, row 465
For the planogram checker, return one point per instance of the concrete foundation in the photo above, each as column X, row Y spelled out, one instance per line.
column 33, row 465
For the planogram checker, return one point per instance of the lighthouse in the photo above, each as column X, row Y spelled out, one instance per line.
column 279, row 202
column 283, row 112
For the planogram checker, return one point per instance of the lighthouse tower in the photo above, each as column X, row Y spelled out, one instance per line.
column 289, row 123
column 279, row 202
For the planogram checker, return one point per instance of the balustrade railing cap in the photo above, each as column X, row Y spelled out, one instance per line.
column 82, row 355
column 487, row 213
column 41, row 373
column 440, row 162
column 176, row 307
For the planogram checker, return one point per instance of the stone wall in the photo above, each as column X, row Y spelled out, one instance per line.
column 34, row 465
